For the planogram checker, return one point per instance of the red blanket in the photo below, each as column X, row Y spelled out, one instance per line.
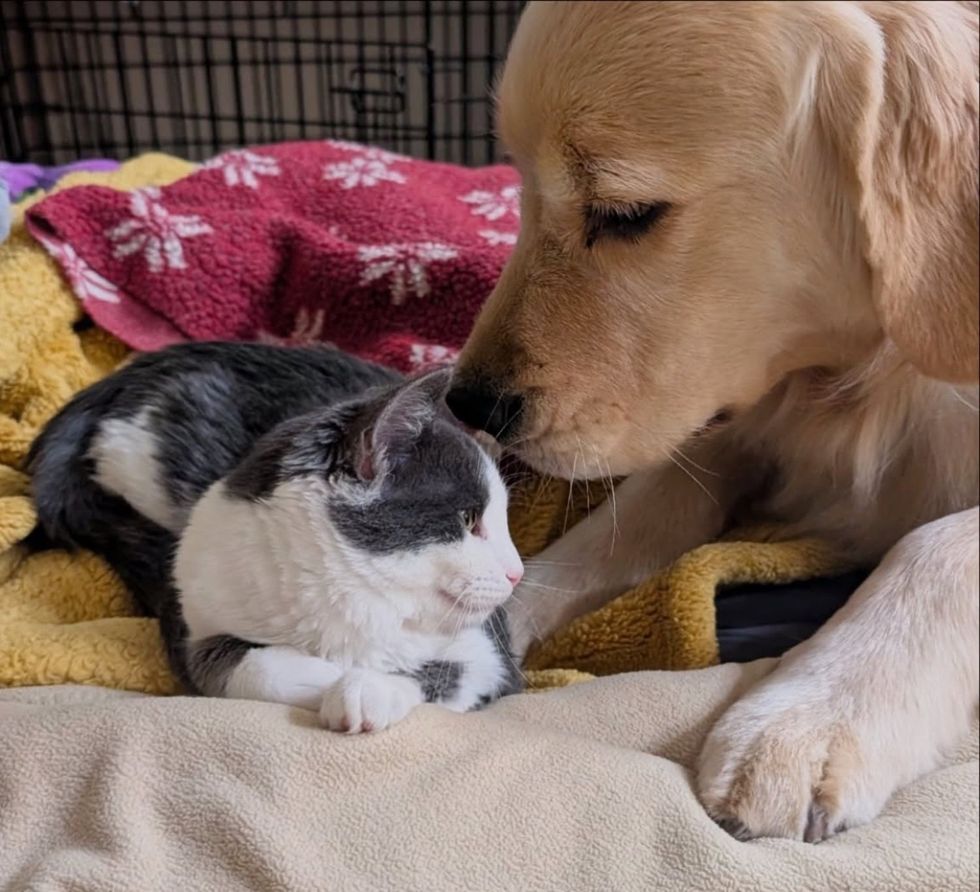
column 382, row 255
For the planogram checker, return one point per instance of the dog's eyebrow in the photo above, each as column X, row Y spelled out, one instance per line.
column 604, row 184
column 583, row 170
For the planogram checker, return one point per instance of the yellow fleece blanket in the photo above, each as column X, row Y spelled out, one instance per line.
column 66, row 618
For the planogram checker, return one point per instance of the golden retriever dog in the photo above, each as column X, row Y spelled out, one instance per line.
column 746, row 280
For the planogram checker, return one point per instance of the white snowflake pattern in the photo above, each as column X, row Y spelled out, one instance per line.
column 496, row 238
column 405, row 265
column 307, row 329
column 362, row 171
column 243, row 168
column 494, row 205
column 155, row 231
column 371, row 152
column 85, row 281
column 423, row 355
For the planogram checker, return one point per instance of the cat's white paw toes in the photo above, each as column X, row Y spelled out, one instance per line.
column 362, row 701
column 799, row 773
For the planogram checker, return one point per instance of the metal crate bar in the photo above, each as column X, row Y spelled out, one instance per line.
column 192, row 77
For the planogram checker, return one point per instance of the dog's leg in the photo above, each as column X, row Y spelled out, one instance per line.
column 655, row 517
column 865, row 706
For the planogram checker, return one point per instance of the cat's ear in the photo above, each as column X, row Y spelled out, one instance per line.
column 401, row 421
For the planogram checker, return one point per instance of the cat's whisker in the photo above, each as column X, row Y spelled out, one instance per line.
column 534, row 562
column 504, row 649
column 445, row 668
column 446, row 616
column 552, row 588
column 529, row 616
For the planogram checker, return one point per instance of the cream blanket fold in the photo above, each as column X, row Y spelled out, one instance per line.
column 583, row 788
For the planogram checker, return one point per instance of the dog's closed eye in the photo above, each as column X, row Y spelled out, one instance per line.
column 623, row 223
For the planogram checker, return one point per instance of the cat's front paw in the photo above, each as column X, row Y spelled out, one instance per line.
column 363, row 700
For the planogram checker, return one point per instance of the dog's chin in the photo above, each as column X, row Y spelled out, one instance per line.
column 582, row 463
column 554, row 455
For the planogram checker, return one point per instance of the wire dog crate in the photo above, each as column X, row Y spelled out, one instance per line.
column 102, row 78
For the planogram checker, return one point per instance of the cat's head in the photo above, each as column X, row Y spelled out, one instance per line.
column 413, row 508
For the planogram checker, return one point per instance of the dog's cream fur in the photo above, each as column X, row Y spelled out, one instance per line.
column 816, row 280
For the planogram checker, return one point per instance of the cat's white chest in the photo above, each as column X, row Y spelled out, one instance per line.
column 319, row 616
column 273, row 574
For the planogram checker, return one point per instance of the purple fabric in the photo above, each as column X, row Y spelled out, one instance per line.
column 22, row 177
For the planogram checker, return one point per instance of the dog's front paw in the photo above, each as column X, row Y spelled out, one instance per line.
column 780, row 763
column 363, row 700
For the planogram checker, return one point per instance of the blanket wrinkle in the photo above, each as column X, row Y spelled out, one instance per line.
column 583, row 788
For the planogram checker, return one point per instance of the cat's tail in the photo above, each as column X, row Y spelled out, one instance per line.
column 74, row 511
column 66, row 496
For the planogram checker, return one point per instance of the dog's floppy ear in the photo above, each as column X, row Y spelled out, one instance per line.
column 897, row 98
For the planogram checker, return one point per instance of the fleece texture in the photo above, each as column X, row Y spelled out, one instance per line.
column 65, row 618
column 385, row 256
column 583, row 788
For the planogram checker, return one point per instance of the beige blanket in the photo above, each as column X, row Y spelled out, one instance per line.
column 587, row 787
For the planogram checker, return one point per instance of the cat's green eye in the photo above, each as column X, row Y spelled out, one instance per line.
column 470, row 519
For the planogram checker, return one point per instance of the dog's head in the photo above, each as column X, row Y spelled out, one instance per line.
column 716, row 195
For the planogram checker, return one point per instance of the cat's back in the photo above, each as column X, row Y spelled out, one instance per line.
column 195, row 410
column 264, row 381
column 159, row 431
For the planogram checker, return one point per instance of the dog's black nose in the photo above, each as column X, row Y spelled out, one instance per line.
column 487, row 409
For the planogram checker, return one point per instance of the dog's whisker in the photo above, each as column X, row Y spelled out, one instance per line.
column 609, row 487
column 681, row 454
column 588, row 492
column 959, row 397
column 568, row 498
column 612, row 508
column 496, row 405
column 696, row 481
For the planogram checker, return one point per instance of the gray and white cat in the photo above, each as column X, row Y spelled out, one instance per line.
column 310, row 529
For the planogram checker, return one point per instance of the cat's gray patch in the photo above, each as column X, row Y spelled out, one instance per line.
column 422, row 498
column 429, row 471
column 439, row 679
column 260, row 472
column 310, row 445
column 211, row 661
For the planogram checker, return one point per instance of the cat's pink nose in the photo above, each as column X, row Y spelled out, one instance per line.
column 515, row 576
